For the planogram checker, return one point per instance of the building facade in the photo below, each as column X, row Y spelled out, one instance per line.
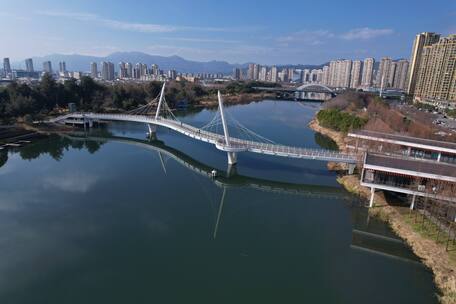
column 436, row 79
column 368, row 72
column 421, row 40
column 29, row 65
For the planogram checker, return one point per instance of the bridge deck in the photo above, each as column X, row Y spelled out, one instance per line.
column 236, row 144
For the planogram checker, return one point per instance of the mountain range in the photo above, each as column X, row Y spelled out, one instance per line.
column 75, row 62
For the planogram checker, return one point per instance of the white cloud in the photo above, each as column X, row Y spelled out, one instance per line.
column 78, row 182
column 138, row 27
column 202, row 40
column 307, row 37
column 365, row 33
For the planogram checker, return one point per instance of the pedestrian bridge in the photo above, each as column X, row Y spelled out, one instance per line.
column 223, row 141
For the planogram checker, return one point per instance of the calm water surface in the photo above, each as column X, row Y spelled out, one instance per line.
column 112, row 220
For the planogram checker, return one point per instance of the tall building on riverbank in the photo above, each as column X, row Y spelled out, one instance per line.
column 436, row 79
column 421, row 40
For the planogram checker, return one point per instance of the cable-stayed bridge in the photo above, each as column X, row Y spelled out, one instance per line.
column 216, row 132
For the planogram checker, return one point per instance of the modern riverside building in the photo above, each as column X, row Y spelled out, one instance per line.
column 368, row 72
column 29, row 65
column 421, row 40
column 409, row 165
column 355, row 80
column 436, row 79
column 93, row 70
column 47, row 67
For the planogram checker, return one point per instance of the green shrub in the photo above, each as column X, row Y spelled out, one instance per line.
column 340, row 121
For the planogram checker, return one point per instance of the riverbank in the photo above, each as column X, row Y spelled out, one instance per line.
column 433, row 254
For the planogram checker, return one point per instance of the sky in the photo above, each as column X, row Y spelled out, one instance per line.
column 237, row 31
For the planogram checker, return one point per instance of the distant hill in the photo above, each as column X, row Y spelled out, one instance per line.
column 81, row 63
column 77, row 62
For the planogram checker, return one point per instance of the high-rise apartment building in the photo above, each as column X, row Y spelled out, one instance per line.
column 263, row 74
column 383, row 79
column 368, row 72
column 355, row 79
column 274, row 74
column 93, row 70
column 400, row 74
column 339, row 73
column 421, row 40
column 250, row 72
column 122, row 70
column 6, row 65
column 62, row 67
column 291, row 72
column 155, row 70
column 436, row 79
column 237, row 73
column 29, row 65
column 325, row 75
column 172, row 74
column 107, row 70
column 47, row 67
column 256, row 71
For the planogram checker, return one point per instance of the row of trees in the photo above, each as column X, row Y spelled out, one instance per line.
column 22, row 100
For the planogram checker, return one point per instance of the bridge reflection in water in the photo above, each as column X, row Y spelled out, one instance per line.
column 367, row 236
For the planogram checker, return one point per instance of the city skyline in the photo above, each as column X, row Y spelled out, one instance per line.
column 236, row 32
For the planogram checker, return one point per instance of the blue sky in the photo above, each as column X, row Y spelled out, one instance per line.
column 238, row 31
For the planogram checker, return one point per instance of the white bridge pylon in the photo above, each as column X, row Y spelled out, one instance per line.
column 157, row 113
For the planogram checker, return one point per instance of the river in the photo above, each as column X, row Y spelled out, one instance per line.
column 109, row 217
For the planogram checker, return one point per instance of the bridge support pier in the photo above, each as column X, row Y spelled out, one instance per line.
column 232, row 158
column 351, row 169
column 371, row 202
column 231, row 171
column 412, row 204
column 152, row 131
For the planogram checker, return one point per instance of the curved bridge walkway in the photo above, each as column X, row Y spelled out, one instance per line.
column 224, row 142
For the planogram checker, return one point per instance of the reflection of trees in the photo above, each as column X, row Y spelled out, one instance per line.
column 3, row 158
column 325, row 142
column 55, row 146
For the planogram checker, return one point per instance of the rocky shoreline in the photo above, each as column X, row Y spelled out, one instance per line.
column 432, row 254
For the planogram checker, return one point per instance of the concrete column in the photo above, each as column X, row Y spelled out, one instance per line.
column 439, row 156
column 412, row 205
column 351, row 168
column 232, row 158
column 152, row 131
column 371, row 202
